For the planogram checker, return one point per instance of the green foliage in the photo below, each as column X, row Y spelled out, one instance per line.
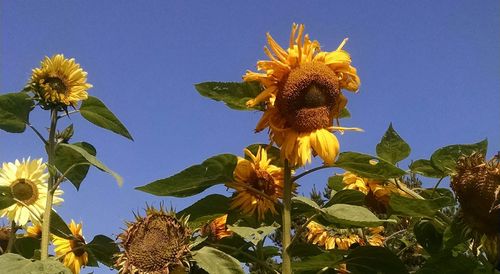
column 374, row 259
column 14, row 111
column 215, row 261
column 6, row 198
column 235, row 95
column 368, row 166
column 446, row 263
column 195, row 179
column 335, row 182
column 67, row 158
column 17, row 264
column 318, row 262
column 425, row 168
column 445, row 158
column 404, row 206
column 392, row 147
column 428, row 236
column 26, row 246
column 97, row 113
column 103, row 249
column 253, row 235
column 351, row 215
column 348, row 196
column 59, row 227
column 206, row 209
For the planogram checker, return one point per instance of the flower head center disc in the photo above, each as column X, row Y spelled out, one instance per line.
column 77, row 246
column 56, row 84
column 308, row 97
column 25, row 191
column 264, row 182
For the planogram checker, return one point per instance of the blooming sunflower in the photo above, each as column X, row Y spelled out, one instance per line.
column 60, row 82
column 72, row 251
column 27, row 182
column 154, row 244
column 254, row 178
column 217, row 228
column 34, row 231
column 330, row 239
column 302, row 92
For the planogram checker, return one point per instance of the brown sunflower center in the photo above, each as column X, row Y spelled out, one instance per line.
column 156, row 243
column 308, row 97
column 264, row 182
column 25, row 191
column 77, row 245
column 56, row 84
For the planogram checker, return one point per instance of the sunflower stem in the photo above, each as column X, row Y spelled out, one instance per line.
column 51, row 147
column 286, row 267
column 295, row 178
column 12, row 237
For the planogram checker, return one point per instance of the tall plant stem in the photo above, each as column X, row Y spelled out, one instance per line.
column 51, row 149
column 286, row 267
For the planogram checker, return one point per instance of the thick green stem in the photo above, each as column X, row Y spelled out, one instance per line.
column 51, row 149
column 12, row 237
column 286, row 267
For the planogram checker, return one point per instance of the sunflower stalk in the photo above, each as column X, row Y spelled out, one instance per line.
column 12, row 237
column 286, row 267
column 51, row 148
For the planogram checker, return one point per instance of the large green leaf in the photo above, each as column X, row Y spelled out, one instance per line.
column 318, row 262
column 445, row 159
column 253, row 235
column 368, row 166
column 425, row 168
column 206, row 209
column 392, row 147
column 97, row 113
column 6, row 198
column 16, row 264
column 351, row 215
column 374, row 259
column 428, row 236
column 103, row 249
column 58, row 226
column 235, row 95
column 215, row 261
column 93, row 160
column 67, row 157
column 14, row 111
column 26, row 246
column 449, row 264
column 348, row 196
column 336, row 182
column 404, row 206
column 195, row 179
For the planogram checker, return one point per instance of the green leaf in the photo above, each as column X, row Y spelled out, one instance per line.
column 445, row 159
column 374, row 259
column 448, row 264
column 195, row 179
column 17, row 264
column 336, row 182
column 348, row 196
column 253, row 235
column 428, row 236
column 344, row 113
column 425, row 168
column 206, row 209
column 93, row 160
column 67, row 157
column 58, row 226
column 351, row 215
column 304, row 249
column 318, row 262
column 215, row 261
column 94, row 111
column 306, row 201
column 404, row 206
column 103, row 249
column 235, row 95
column 273, row 153
column 6, row 198
column 26, row 246
column 14, row 111
column 392, row 147
column 368, row 166
column 455, row 233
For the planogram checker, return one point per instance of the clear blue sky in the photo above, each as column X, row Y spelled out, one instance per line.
column 432, row 68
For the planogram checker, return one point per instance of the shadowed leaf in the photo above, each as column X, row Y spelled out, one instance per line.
column 235, row 95
column 14, row 111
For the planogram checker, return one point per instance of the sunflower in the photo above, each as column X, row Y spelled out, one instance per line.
column 331, row 238
column 27, row 183
column 157, row 243
column 258, row 184
column 217, row 229
column 72, row 251
column 302, row 93
column 34, row 231
column 60, row 82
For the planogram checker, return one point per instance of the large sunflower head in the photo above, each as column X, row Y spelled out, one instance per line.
column 157, row 243
column 72, row 251
column 27, row 181
column 302, row 92
column 59, row 82
column 258, row 184
column 216, row 229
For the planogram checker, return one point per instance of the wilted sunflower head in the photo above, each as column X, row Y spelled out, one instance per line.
column 302, row 93
column 216, row 229
column 59, row 82
column 477, row 186
column 330, row 238
column 155, row 244
column 4, row 238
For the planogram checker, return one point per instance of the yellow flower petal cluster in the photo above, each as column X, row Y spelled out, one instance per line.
column 303, row 98
column 60, row 81
column 34, row 231
column 258, row 184
column 27, row 180
column 217, row 228
column 71, row 251
column 342, row 238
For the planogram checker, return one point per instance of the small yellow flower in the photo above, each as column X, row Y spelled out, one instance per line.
column 60, row 81
column 34, row 231
column 71, row 251
column 28, row 184
column 217, row 228
column 251, row 179
column 302, row 93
